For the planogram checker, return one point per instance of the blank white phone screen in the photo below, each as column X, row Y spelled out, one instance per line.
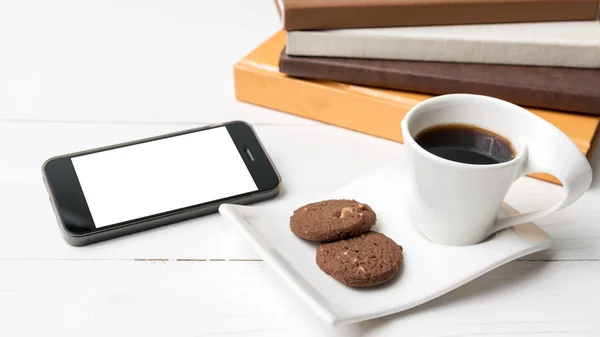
column 162, row 175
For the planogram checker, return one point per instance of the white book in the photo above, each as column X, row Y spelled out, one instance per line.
column 568, row 44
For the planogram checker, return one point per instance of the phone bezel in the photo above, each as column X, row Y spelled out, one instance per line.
column 74, row 215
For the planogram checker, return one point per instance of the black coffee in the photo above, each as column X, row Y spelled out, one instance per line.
column 466, row 144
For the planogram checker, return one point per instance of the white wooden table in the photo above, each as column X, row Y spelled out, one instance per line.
column 81, row 74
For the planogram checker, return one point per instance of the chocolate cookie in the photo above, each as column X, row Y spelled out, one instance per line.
column 366, row 260
column 332, row 220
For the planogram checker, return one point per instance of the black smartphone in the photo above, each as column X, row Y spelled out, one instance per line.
column 121, row 189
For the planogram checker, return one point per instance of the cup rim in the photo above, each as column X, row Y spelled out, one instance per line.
column 408, row 137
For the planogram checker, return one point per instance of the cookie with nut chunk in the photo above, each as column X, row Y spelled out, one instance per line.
column 366, row 260
column 331, row 220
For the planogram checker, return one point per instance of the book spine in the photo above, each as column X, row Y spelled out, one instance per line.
column 346, row 106
column 439, row 85
column 299, row 16
column 325, row 44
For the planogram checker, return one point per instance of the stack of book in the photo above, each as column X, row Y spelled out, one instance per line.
column 362, row 64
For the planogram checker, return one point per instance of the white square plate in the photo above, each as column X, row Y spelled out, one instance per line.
column 429, row 270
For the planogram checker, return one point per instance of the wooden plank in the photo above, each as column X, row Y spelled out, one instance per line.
column 310, row 166
column 129, row 60
column 104, row 298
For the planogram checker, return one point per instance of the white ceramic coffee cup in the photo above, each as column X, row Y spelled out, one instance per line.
column 458, row 204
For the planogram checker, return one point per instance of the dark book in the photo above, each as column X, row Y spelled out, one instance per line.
column 336, row 14
column 566, row 89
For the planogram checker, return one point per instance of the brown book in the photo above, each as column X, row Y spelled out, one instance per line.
column 334, row 14
column 567, row 89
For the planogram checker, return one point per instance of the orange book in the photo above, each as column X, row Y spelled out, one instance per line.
column 377, row 112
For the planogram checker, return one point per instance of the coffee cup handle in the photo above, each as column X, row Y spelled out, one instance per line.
column 552, row 152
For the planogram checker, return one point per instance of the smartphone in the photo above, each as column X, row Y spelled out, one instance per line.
column 121, row 189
